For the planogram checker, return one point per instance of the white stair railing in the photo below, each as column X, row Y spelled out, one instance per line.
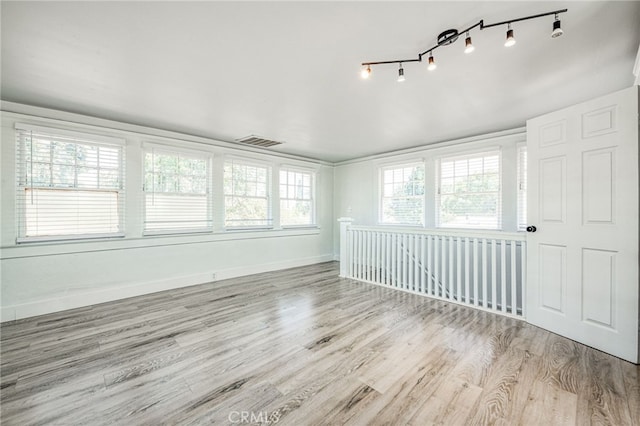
column 485, row 270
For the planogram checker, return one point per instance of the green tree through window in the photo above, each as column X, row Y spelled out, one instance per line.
column 470, row 191
column 69, row 185
column 247, row 197
column 176, row 187
column 402, row 195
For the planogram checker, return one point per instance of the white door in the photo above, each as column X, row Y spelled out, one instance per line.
column 582, row 261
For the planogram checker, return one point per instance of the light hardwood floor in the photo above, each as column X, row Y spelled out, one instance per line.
column 303, row 347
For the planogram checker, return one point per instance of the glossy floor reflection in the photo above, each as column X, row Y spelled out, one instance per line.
column 303, row 347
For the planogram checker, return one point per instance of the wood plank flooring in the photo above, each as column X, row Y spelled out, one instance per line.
column 303, row 347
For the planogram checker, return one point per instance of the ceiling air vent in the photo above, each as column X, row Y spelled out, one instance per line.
column 258, row 141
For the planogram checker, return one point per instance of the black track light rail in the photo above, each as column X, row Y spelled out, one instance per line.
column 555, row 12
column 450, row 36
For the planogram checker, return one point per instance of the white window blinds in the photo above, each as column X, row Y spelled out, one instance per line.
column 176, row 191
column 69, row 185
column 522, row 187
column 296, row 197
column 402, row 194
column 469, row 191
column 247, row 194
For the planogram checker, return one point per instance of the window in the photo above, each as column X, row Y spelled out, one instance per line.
column 296, row 197
column 469, row 191
column 522, row 187
column 402, row 194
column 176, row 191
column 70, row 185
column 247, row 195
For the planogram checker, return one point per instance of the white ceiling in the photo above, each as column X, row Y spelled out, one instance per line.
column 289, row 71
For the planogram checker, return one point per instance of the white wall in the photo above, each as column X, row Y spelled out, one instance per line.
column 41, row 278
column 356, row 182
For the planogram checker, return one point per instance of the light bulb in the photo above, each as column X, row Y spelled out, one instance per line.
column 468, row 45
column 432, row 63
column 510, row 39
column 400, row 74
column 366, row 72
column 557, row 30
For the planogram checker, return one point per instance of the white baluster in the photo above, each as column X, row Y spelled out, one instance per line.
column 369, row 256
column 494, row 276
column 416, row 264
column 403, row 261
column 503, row 275
column 400, row 260
column 476, row 273
column 365, row 234
column 450, row 278
column 428, row 271
column 523, row 277
column 409, row 259
column 394, row 250
column 372, row 267
column 436, row 265
column 378, row 254
column 387, row 257
column 484, row 273
column 459, row 268
column 466, row 271
column 444, row 280
column 351, row 253
column 513, row 279
column 422, row 264
column 360, row 259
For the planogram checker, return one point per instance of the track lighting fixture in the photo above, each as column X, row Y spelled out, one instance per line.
column 451, row 36
column 510, row 41
column 432, row 63
column 468, row 46
column 366, row 72
column 557, row 30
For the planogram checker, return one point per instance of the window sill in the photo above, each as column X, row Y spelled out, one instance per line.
column 248, row 229
column 301, row 226
column 98, row 245
column 176, row 233
column 68, row 239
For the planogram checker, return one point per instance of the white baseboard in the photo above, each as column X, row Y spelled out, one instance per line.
column 88, row 298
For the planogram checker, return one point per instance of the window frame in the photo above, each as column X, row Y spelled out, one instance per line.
column 522, row 186
column 187, row 152
column 381, row 198
column 76, row 138
column 247, row 161
column 313, row 176
column 467, row 155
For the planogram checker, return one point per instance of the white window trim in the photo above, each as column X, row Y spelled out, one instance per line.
column 298, row 168
column 519, row 187
column 148, row 147
column 178, row 148
column 395, row 165
column 463, row 155
column 97, row 138
column 89, row 139
column 314, row 182
column 249, row 161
